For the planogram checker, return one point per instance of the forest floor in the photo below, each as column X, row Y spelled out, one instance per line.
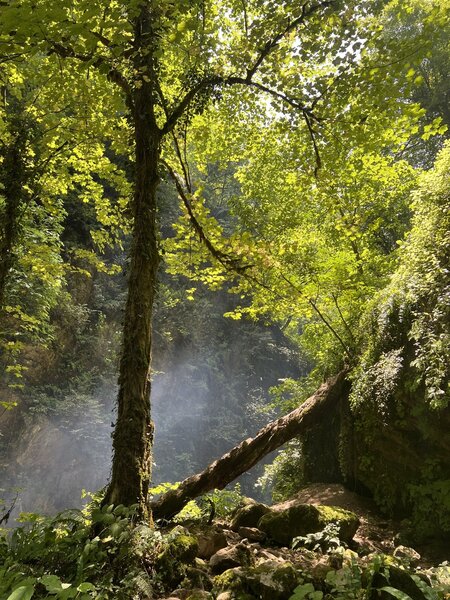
column 376, row 533
column 237, row 562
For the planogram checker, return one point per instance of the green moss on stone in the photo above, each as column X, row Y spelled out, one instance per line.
column 229, row 580
column 300, row 519
column 249, row 515
column 268, row 581
column 171, row 564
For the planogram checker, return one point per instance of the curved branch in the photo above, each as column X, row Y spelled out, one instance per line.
column 267, row 49
column 179, row 110
column 291, row 26
column 227, row 261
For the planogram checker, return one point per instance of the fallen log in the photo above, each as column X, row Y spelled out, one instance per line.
column 249, row 452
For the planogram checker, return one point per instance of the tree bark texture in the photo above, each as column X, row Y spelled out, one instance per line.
column 244, row 456
column 133, row 434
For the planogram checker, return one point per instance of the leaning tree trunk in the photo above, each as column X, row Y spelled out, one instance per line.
column 133, row 434
column 244, row 456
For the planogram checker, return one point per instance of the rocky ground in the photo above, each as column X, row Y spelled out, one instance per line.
column 346, row 550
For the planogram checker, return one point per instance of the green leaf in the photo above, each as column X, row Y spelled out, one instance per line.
column 24, row 592
column 396, row 593
column 86, row 587
column 52, row 583
column 302, row 591
column 69, row 592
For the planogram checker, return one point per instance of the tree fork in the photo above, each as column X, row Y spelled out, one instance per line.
column 249, row 452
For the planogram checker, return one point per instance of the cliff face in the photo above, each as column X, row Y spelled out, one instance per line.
column 47, row 459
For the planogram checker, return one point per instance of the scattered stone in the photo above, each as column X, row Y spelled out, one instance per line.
column 233, row 556
column 321, row 567
column 199, row 595
column 248, row 515
column 270, row 555
column 233, row 596
column 200, row 563
column 272, row 581
column 408, row 554
column 210, row 541
column 225, row 596
column 252, row 534
column 267, row 581
column 283, row 526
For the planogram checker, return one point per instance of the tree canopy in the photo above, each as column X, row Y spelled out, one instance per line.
column 285, row 128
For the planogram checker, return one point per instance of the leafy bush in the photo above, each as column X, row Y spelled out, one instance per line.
column 97, row 553
column 323, row 541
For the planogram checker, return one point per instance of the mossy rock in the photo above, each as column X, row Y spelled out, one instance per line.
column 172, row 563
column 232, row 556
column 300, row 519
column 231, row 581
column 248, row 515
column 272, row 581
column 268, row 581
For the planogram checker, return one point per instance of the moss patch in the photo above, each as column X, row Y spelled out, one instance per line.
column 177, row 555
column 298, row 520
column 268, row 581
column 248, row 515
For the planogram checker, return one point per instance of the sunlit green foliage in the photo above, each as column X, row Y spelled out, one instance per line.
column 310, row 251
column 60, row 144
column 417, row 296
column 308, row 128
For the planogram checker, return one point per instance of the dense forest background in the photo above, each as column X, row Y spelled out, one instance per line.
column 322, row 247
column 302, row 227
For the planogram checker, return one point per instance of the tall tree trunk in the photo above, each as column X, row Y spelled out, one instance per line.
column 133, row 434
column 244, row 456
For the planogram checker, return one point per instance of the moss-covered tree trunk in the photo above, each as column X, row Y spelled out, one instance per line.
column 133, row 434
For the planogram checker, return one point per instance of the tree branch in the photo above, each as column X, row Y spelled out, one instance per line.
column 179, row 110
column 291, row 26
column 312, row 135
column 114, row 74
column 250, row 71
column 228, row 262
